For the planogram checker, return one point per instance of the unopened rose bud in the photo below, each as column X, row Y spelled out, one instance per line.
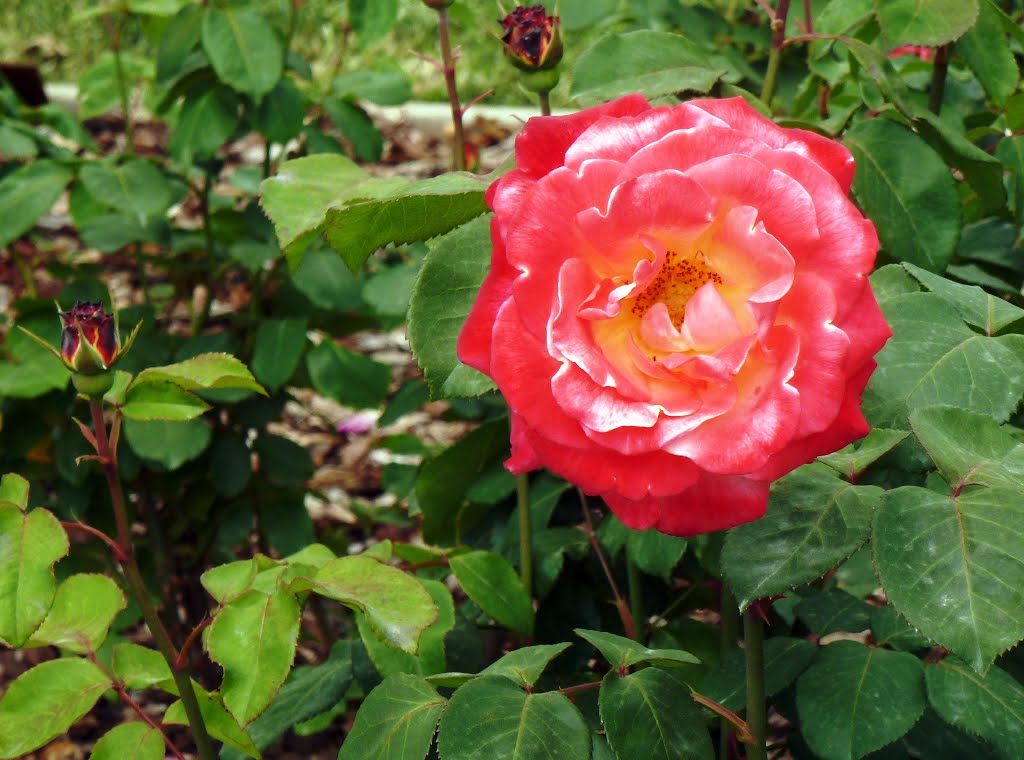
column 531, row 38
column 89, row 341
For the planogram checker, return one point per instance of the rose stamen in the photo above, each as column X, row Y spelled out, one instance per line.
column 680, row 277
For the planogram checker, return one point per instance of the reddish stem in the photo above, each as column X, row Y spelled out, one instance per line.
column 114, row 548
column 624, row 612
column 458, row 140
column 572, row 691
column 181, row 661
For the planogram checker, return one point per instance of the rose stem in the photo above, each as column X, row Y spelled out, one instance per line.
column 808, row 21
column 775, row 57
column 624, row 614
column 137, row 587
column 458, row 140
column 545, row 102
column 938, row 85
column 525, row 533
column 753, row 634
column 636, row 598
column 727, row 629
column 116, row 30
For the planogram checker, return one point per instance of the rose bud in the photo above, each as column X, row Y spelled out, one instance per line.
column 678, row 310
column 531, row 38
column 88, row 341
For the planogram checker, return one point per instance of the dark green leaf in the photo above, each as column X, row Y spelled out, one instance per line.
column 323, row 278
column 833, row 611
column 889, row 629
column 651, row 714
column 814, row 521
column 655, row 553
column 623, row 652
column 279, row 346
column 977, row 307
column 280, row 115
column 491, row 717
column 525, row 665
column 855, row 458
column 387, row 87
column 179, row 38
column 351, row 378
column 206, row 121
column 926, row 22
column 243, row 48
column 396, row 721
column 372, row 19
column 494, row 586
column 28, row 193
column 784, row 659
column 136, row 186
column 169, row 443
column 987, row 51
column 366, row 141
column 907, row 190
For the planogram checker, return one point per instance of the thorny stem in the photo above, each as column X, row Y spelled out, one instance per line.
column 545, row 102
column 775, row 56
column 115, row 549
column 938, row 84
column 624, row 613
column 753, row 634
column 136, row 585
column 458, row 140
column 181, row 661
column 525, row 533
column 136, row 707
column 636, row 598
column 727, row 630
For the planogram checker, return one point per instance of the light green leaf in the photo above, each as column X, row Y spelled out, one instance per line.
column 491, row 717
column 814, row 521
column 219, row 722
column 395, row 603
column 907, row 190
column 204, row 371
column 395, row 722
column 494, row 586
column 225, row 582
column 45, row 701
column 279, row 346
column 420, row 211
column 649, row 62
column 27, row 193
column 623, row 652
column 206, row 121
column 990, row 705
column 525, row 665
column 136, row 187
column 854, row 699
column 140, row 667
column 14, row 488
column 83, row 609
column 934, row 358
column 253, row 637
column 650, row 714
column 925, row 22
column 130, row 741
column 953, row 565
column 978, row 308
column 162, row 401
column 243, row 48
column 29, row 545
column 444, row 294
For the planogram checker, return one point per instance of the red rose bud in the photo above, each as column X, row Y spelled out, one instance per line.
column 531, row 38
column 88, row 343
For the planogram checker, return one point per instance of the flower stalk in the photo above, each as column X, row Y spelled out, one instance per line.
column 778, row 23
column 757, row 719
column 525, row 533
column 728, row 628
column 448, row 68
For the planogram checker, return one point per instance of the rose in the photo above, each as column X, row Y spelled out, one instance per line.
column 677, row 309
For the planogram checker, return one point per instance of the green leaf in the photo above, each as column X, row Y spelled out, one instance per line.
column 83, row 609
column 934, row 358
column 395, row 603
column 130, row 741
column 366, row 141
column 309, row 691
column 418, row 211
column 430, row 658
column 852, row 460
column 984, row 172
column 395, row 722
column 323, row 278
column 444, row 294
column 784, row 659
column 969, row 449
column 494, row 586
column 280, row 115
column 990, row 705
column 854, row 699
column 219, row 722
column 833, row 611
column 243, row 48
column 525, row 665
column 179, row 38
column 230, row 464
column 814, row 521
column 622, row 652
column 283, row 461
column 953, row 565
column 372, row 19
column 202, row 372
column 136, row 187
column 253, row 637
column 907, row 190
column 1010, row 151
column 27, row 193
column 385, row 87
column 139, row 667
column 353, row 379
column 169, row 443
column 651, row 63
column 491, row 717
column 655, row 553
column 650, row 714
column 925, row 22
column 977, row 307
column 29, row 545
column 206, row 121
column 15, row 489
column 888, row 628
column 297, row 198
column 162, row 401
column 226, row 582
column 45, row 701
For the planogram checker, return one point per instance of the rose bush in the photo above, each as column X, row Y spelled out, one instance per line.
column 677, row 310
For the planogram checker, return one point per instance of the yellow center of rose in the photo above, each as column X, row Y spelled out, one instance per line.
column 680, row 277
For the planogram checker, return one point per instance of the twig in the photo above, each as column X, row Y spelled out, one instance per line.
column 624, row 612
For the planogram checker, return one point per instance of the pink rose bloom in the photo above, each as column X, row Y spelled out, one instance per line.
column 678, row 310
